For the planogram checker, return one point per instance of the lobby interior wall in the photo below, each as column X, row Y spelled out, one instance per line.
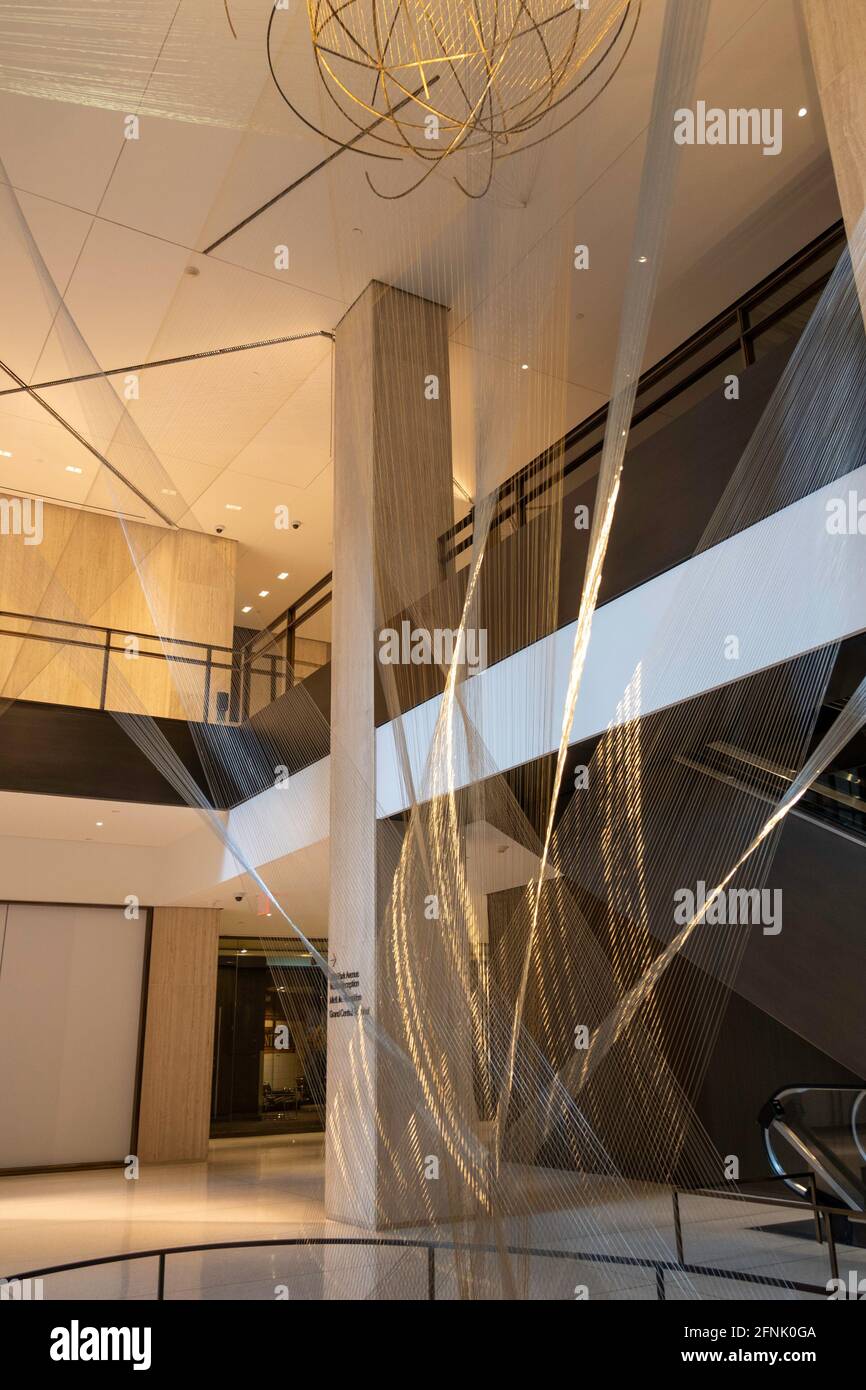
column 191, row 574
column 70, row 1003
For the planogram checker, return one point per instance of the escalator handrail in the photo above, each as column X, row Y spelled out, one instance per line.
column 842, row 1181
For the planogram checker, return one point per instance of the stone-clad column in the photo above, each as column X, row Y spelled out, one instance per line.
column 837, row 38
column 392, row 500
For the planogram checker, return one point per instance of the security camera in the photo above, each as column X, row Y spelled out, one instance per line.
column 219, row 530
column 296, row 526
column 239, row 897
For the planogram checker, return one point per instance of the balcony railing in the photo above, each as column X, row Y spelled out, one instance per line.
column 201, row 680
column 226, row 685
column 20, row 1286
column 732, row 336
column 773, row 310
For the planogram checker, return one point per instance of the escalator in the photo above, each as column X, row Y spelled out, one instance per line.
column 821, row 1129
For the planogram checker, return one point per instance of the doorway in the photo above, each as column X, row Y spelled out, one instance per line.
column 270, row 1039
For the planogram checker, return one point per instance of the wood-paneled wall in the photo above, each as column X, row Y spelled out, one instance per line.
column 172, row 582
column 174, row 1111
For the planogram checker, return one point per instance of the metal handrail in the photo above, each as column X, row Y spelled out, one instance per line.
column 237, row 664
column 661, row 1267
column 821, row 1211
column 737, row 316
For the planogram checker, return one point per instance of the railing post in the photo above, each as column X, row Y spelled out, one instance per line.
column 660, row 1284
column 160, row 1284
column 831, row 1245
column 105, row 660
column 519, row 501
column 746, row 347
column 289, row 651
column 813, row 1187
column 431, row 1274
column 207, row 686
column 245, row 682
column 678, row 1228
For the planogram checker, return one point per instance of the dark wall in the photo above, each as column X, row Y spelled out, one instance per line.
column 728, row 1056
column 755, row 1055
column 62, row 751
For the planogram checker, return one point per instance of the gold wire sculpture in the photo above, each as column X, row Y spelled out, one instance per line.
column 429, row 78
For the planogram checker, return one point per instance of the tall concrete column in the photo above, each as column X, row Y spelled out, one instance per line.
column 837, row 39
column 392, row 500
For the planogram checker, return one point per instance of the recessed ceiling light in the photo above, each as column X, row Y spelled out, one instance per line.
column 641, row 260
column 100, row 822
column 803, row 111
column 263, row 593
column 233, row 507
column 70, row 468
column 524, row 366
column 283, row 574
column 247, row 609
column 6, row 453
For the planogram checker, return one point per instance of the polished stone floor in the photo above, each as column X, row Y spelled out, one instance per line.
column 264, row 1189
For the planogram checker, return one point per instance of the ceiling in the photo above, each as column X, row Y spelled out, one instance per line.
column 31, row 816
column 104, row 261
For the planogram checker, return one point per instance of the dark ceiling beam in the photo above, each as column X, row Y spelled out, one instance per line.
column 316, row 169
column 165, row 362
column 85, row 444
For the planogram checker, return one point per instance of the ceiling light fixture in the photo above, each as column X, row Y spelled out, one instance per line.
column 524, row 366
column 435, row 78
column 5, row 453
column 233, row 507
column 641, row 260
column 803, row 111
column 283, row 574
column 71, row 468
column 263, row 593
column 100, row 822
column 247, row 609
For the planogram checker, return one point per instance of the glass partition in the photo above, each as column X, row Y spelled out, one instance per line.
column 270, row 1039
